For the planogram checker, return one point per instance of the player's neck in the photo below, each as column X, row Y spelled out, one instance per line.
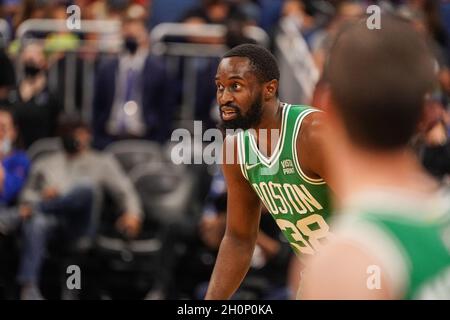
column 270, row 120
column 394, row 169
column 271, row 115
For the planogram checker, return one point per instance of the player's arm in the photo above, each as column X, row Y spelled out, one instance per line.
column 313, row 148
column 243, row 215
column 343, row 270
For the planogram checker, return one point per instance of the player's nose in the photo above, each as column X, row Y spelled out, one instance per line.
column 224, row 97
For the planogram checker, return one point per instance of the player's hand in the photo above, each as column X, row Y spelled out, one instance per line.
column 49, row 193
column 129, row 224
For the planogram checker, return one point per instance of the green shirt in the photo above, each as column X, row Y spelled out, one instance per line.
column 409, row 235
column 299, row 204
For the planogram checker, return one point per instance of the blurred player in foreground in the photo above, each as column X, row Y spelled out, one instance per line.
column 392, row 234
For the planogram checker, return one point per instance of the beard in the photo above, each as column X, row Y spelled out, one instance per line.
column 243, row 121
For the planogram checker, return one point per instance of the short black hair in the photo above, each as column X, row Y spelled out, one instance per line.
column 8, row 110
column 379, row 79
column 69, row 123
column 263, row 62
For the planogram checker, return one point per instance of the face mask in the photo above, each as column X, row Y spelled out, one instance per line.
column 31, row 70
column 131, row 45
column 6, row 146
column 70, row 144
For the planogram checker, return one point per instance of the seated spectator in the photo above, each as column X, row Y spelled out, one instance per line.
column 436, row 153
column 14, row 168
column 36, row 109
column 7, row 79
column 59, row 195
column 201, row 240
column 215, row 11
column 320, row 41
column 267, row 276
column 131, row 94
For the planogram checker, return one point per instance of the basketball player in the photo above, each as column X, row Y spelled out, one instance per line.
column 277, row 161
column 392, row 236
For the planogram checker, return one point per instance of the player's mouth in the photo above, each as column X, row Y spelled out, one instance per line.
column 228, row 113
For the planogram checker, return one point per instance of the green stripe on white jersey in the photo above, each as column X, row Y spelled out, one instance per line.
column 299, row 204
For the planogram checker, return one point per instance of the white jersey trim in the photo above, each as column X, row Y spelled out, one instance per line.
column 378, row 243
column 269, row 162
column 241, row 153
column 297, row 126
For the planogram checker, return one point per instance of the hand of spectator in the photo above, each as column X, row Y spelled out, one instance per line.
column 25, row 211
column 129, row 224
column 2, row 176
column 49, row 193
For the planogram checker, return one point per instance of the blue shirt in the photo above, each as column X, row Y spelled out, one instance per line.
column 16, row 166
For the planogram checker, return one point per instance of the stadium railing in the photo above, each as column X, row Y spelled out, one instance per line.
column 5, row 33
column 174, row 41
column 107, row 40
column 178, row 41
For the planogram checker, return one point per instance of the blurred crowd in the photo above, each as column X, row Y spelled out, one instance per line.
column 85, row 174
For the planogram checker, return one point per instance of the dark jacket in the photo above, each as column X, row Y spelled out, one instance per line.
column 158, row 103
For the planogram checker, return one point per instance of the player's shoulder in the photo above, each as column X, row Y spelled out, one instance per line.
column 49, row 158
column 230, row 149
column 313, row 126
column 231, row 163
column 347, row 281
column 313, row 117
column 300, row 108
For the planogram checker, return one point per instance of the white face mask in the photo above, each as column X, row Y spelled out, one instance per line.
column 5, row 146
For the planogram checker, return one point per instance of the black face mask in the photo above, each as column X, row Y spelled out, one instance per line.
column 31, row 70
column 70, row 144
column 131, row 45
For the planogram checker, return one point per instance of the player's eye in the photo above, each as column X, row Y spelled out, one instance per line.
column 220, row 87
column 236, row 86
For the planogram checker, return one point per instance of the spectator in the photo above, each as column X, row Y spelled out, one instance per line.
column 14, row 168
column 36, row 109
column 7, row 80
column 202, row 239
column 433, row 142
column 266, row 278
column 436, row 155
column 212, row 11
column 131, row 97
column 60, row 193
column 425, row 19
column 31, row 9
column 320, row 41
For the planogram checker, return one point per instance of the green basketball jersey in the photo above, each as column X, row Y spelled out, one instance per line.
column 409, row 236
column 299, row 204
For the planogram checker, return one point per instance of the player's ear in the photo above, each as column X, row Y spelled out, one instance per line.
column 322, row 97
column 271, row 89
